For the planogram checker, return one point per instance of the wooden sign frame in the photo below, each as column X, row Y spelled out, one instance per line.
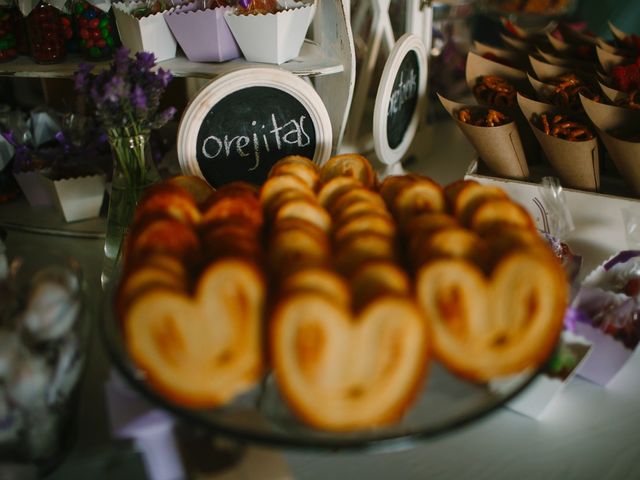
column 406, row 44
column 217, row 90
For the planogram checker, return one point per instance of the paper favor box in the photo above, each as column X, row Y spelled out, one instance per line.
column 272, row 37
column 203, row 34
column 78, row 198
column 34, row 188
column 540, row 393
column 146, row 34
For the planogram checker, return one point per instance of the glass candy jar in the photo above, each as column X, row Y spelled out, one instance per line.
column 8, row 34
column 46, row 34
column 43, row 337
column 97, row 31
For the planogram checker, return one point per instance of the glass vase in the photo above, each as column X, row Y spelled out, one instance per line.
column 133, row 172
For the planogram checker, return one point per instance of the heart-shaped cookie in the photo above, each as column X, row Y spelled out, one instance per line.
column 201, row 351
column 342, row 373
column 488, row 326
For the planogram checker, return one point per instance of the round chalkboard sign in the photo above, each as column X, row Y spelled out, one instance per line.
column 400, row 99
column 240, row 124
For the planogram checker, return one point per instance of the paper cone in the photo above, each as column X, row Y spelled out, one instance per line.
column 499, row 147
column 516, row 43
column 611, row 93
column 608, row 60
column 577, row 163
column 607, row 47
column 146, row 34
column 203, row 33
column 566, row 62
column 575, row 37
column 272, row 37
column 528, row 33
column 517, row 59
column 625, row 154
column 544, row 70
column 618, row 34
column 545, row 91
column 478, row 66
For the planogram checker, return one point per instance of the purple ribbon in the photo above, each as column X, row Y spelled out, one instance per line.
column 621, row 257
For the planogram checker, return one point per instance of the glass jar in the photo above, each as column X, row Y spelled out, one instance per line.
column 97, row 31
column 43, row 337
column 8, row 37
column 46, row 34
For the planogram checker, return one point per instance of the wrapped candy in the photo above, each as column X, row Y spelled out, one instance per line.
column 41, row 355
column 96, row 28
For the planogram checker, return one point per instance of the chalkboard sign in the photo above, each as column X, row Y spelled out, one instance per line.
column 400, row 99
column 239, row 125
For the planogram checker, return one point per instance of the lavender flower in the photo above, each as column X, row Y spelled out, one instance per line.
column 127, row 94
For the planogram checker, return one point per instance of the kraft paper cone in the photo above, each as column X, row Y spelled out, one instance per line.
column 575, row 37
column 618, row 34
column 566, row 62
column 516, row 58
column 544, row 70
column 611, row 93
column 576, row 163
column 478, row 66
column 499, row 147
column 545, row 91
column 528, row 33
column 516, row 44
column 607, row 47
column 608, row 60
column 625, row 154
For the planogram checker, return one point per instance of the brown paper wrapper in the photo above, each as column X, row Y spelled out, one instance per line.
column 625, row 154
column 544, row 92
column 566, row 62
column 516, row 43
column 607, row 47
column 528, row 33
column 576, row 163
column 499, row 147
column 618, row 34
column 575, row 37
column 517, row 59
column 608, row 60
column 611, row 93
column 544, row 70
column 478, row 66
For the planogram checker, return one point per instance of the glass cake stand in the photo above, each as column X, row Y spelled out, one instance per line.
column 445, row 403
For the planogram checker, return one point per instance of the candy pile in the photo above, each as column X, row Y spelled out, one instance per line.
column 8, row 41
column 98, row 36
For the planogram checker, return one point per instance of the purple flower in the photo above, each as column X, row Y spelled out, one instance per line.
column 138, row 98
column 115, row 90
column 145, row 61
column 82, row 76
column 121, row 61
column 164, row 77
column 127, row 94
column 163, row 117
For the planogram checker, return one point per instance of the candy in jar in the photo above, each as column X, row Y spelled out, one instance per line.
column 8, row 37
column 46, row 34
column 97, row 31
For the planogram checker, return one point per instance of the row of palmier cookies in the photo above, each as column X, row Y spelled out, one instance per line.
column 490, row 287
column 192, row 293
column 348, row 345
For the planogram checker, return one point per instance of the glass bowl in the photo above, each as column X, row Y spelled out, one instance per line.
column 261, row 416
